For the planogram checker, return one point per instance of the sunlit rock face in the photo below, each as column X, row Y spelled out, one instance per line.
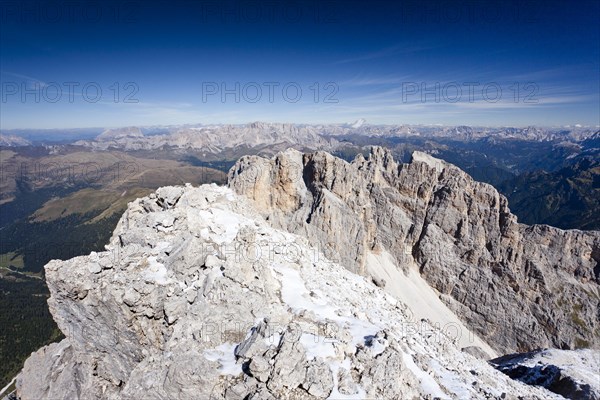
column 198, row 296
column 518, row 287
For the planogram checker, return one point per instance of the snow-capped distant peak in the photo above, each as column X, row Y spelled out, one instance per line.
column 359, row 122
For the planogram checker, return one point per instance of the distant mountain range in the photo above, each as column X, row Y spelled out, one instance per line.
column 194, row 134
column 564, row 198
column 13, row 141
column 215, row 138
column 512, row 159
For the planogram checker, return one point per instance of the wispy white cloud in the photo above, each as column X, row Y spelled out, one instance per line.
column 359, row 81
column 31, row 81
column 386, row 52
column 553, row 74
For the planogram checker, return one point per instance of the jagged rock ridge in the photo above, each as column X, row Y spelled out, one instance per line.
column 198, row 297
column 518, row 287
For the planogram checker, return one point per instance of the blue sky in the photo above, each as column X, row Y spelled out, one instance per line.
column 442, row 62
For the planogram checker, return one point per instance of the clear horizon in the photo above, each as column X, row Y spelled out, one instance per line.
column 572, row 126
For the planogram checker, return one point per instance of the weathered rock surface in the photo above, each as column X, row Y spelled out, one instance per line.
column 572, row 374
column 518, row 287
column 198, row 297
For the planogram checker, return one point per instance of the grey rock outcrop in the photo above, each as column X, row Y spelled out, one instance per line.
column 223, row 306
column 568, row 373
column 518, row 287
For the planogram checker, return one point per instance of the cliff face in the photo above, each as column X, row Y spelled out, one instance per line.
column 518, row 287
column 198, row 297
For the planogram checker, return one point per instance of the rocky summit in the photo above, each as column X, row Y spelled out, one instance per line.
column 311, row 278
